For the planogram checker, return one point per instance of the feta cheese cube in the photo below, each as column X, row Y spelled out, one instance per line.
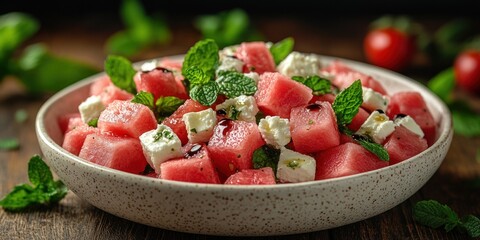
column 160, row 145
column 275, row 131
column 228, row 63
column 299, row 64
column 148, row 66
column 200, row 125
column 295, row 167
column 242, row 108
column 409, row 123
column 377, row 126
column 254, row 76
column 373, row 100
column 91, row 108
column 228, row 51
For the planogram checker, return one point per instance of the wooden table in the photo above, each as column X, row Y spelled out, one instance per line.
column 74, row 218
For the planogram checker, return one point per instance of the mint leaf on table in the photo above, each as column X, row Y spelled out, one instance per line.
column 121, row 72
column 9, row 144
column 43, row 190
column 465, row 122
column 348, row 102
column 443, row 84
column 205, row 94
column 233, row 84
column 266, row 156
column 203, row 55
column 471, row 225
column 280, row 50
column 318, row 84
column 165, row 106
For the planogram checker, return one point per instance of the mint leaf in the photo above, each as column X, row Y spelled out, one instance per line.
column 205, row 94
column 471, row 225
column 347, row 103
column 196, row 76
column 443, row 84
column 144, row 98
column 21, row 115
column 266, row 156
column 374, row 148
column 465, row 122
column 165, row 106
column 433, row 214
column 9, row 144
column 233, row 84
column 93, row 122
column 280, row 50
column 204, row 55
column 318, row 85
column 121, row 72
column 44, row 192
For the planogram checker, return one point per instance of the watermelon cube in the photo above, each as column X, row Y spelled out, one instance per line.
column 160, row 82
column 74, row 139
column 232, row 144
column 413, row 104
column 121, row 153
column 126, row 118
column 277, row 94
column 314, row 127
column 262, row 176
column 358, row 120
column 99, row 85
column 195, row 170
column 403, row 144
column 256, row 56
column 175, row 121
column 346, row 159
column 111, row 93
column 65, row 119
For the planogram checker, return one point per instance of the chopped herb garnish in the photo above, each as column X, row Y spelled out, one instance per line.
column 280, row 50
column 266, row 156
column 93, row 122
column 294, row 163
column 194, row 130
column 43, row 191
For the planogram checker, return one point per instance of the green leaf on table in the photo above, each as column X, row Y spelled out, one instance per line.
column 471, row 225
column 318, row 84
column 44, row 190
column 9, row 144
column 121, row 72
column 266, row 156
column 41, row 72
column 348, row 102
column 21, row 115
column 205, row 94
column 203, row 55
column 227, row 28
column 165, row 106
column 280, row 50
column 233, row 84
column 443, row 84
column 466, row 122
column 433, row 214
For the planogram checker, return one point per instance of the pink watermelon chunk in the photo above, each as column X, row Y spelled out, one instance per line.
column 358, row 120
column 346, row 159
column 314, row 127
column 413, row 104
column 277, row 94
column 160, row 82
column 74, row 139
column 175, row 121
column 232, row 144
column 121, row 153
column 64, row 121
column 329, row 97
column 111, row 93
column 403, row 144
column 262, row 176
column 256, row 56
column 126, row 118
column 99, row 85
column 196, row 170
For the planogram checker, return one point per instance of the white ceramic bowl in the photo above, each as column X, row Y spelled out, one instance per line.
column 243, row 210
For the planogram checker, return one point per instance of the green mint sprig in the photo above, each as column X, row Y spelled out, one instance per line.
column 206, row 94
column 266, row 156
column 280, row 50
column 319, row 85
column 43, row 191
column 162, row 108
column 434, row 214
column 373, row 147
column 233, row 84
column 204, row 56
column 121, row 72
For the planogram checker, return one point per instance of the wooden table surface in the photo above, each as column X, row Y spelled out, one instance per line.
column 74, row 218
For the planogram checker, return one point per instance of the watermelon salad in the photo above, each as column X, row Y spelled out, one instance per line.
column 254, row 113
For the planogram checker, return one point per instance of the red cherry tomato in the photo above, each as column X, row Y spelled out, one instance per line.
column 467, row 71
column 389, row 48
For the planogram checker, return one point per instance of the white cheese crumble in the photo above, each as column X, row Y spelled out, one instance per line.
column 378, row 126
column 410, row 124
column 91, row 108
column 200, row 125
column 299, row 64
column 242, row 108
column 275, row 131
column 373, row 100
column 228, row 63
column 160, row 145
column 295, row 167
